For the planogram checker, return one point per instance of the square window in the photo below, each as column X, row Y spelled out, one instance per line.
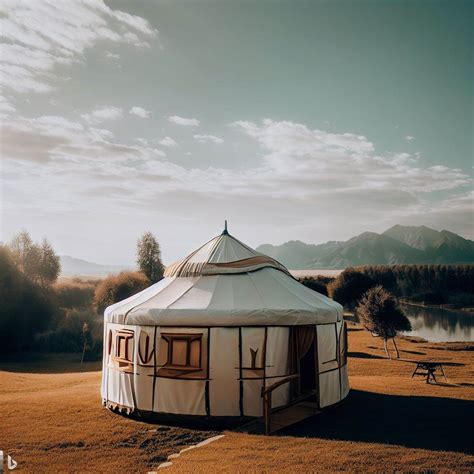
column 179, row 350
column 184, row 351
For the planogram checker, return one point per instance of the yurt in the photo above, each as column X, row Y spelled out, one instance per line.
column 223, row 325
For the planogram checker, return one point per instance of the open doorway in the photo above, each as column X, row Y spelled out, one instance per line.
column 308, row 371
column 303, row 355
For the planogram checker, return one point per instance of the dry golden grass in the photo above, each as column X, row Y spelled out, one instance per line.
column 52, row 420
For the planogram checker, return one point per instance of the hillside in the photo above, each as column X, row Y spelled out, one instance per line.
column 397, row 245
column 71, row 266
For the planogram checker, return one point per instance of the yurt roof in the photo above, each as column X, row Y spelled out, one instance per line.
column 225, row 283
column 222, row 255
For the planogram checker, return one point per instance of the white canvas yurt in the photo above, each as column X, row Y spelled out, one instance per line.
column 224, row 323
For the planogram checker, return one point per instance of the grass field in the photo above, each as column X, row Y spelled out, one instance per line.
column 52, row 420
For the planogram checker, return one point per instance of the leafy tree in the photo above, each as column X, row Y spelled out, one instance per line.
column 37, row 262
column 379, row 314
column 25, row 310
column 50, row 265
column 349, row 286
column 149, row 257
column 118, row 287
column 26, row 254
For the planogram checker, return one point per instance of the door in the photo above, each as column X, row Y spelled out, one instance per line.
column 303, row 354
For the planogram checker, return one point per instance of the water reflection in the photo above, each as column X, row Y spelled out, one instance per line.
column 435, row 324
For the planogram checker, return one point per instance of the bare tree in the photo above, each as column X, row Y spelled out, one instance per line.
column 379, row 314
column 149, row 257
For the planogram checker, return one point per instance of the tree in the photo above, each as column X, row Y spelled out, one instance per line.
column 37, row 262
column 50, row 265
column 379, row 314
column 149, row 257
column 349, row 286
column 26, row 254
column 118, row 287
column 25, row 309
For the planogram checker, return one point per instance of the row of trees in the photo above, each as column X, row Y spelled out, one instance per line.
column 40, row 313
column 408, row 280
column 37, row 261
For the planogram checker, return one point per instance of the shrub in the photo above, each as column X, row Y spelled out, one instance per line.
column 118, row 287
column 315, row 283
column 68, row 335
column 349, row 286
column 76, row 293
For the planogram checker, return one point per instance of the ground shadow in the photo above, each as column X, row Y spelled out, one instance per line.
column 417, row 422
column 365, row 355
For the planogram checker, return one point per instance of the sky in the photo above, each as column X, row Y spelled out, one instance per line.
column 293, row 120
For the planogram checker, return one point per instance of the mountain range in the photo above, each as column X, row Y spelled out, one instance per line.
column 397, row 245
column 71, row 266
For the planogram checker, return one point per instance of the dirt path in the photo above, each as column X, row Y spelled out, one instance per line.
column 52, row 420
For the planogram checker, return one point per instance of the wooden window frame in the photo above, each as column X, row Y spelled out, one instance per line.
column 170, row 338
column 125, row 334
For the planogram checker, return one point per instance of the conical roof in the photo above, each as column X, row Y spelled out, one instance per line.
column 222, row 255
column 225, row 283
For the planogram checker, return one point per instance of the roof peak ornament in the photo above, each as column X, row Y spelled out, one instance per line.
column 225, row 232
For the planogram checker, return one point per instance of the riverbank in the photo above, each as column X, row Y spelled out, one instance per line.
column 446, row 307
column 53, row 420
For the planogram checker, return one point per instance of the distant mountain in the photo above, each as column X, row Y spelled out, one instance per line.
column 439, row 246
column 298, row 253
column 397, row 245
column 420, row 238
column 71, row 266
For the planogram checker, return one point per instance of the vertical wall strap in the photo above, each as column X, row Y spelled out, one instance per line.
column 208, row 404
column 338, row 345
column 241, row 382
column 316, row 365
column 154, row 370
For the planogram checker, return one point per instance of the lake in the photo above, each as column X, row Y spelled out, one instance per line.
column 440, row 325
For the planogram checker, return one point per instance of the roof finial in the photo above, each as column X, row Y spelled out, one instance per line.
column 224, row 232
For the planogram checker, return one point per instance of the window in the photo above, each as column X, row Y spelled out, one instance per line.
column 184, row 351
column 124, row 345
column 145, row 349
column 109, row 348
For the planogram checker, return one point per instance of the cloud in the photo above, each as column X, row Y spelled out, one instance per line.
column 5, row 106
column 110, row 55
column 409, row 138
column 187, row 122
column 50, row 163
column 168, row 142
column 102, row 114
column 318, row 161
column 140, row 112
column 40, row 35
column 208, row 138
